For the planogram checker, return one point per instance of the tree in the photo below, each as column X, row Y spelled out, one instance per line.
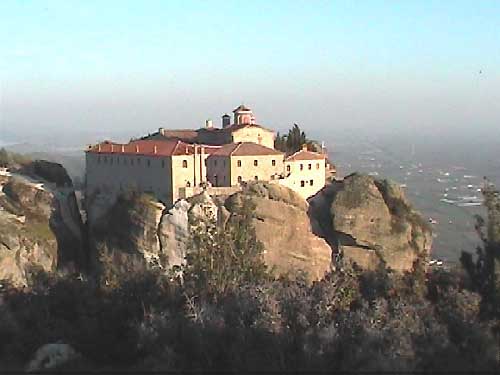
column 222, row 258
column 485, row 271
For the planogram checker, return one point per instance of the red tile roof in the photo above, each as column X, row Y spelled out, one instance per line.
column 150, row 148
column 245, row 149
column 306, row 155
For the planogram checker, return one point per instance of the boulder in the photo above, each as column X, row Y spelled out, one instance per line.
column 52, row 356
column 370, row 221
column 283, row 226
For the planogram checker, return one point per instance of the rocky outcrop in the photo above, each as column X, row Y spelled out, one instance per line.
column 40, row 224
column 368, row 221
column 283, row 226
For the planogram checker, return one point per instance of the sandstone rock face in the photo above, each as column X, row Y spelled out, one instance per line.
column 146, row 230
column 283, row 226
column 40, row 225
column 370, row 220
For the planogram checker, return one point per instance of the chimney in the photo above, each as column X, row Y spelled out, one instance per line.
column 136, row 148
column 111, row 147
column 123, row 148
column 155, row 149
column 99, row 147
column 209, row 124
column 161, row 131
column 226, row 120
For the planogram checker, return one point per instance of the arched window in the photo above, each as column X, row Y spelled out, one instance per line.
column 309, row 166
column 255, row 163
column 302, row 183
column 239, row 163
column 273, row 163
column 184, row 164
column 288, row 168
column 301, row 167
column 317, row 165
column 240, row 179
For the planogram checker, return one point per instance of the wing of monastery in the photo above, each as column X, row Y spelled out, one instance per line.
column 174, row 164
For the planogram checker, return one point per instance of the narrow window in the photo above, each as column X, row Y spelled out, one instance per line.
column 224, row 178
column 288, row 168
column 184, row 164
column 148, row 162
column 188, row 184
column 256, row 178
column 224, row 163
column 311, row 182
column 273, row 163
column 138, row 161
column 309, row 166
column 118, row 160
column 302, row 183
column 215, row 162
column 255, row 162
column 163, row 163
column 240, row 179
column 317, row 165
column 301, row 166
column 239, row 163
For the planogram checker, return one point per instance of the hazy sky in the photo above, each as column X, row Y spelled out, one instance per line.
column 132, row 66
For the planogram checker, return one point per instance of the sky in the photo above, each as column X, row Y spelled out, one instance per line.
column 129, row 67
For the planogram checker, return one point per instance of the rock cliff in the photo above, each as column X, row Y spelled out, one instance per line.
column 368, row 221
column 40, row 223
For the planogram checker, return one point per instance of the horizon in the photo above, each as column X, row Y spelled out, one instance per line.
column 129, row 68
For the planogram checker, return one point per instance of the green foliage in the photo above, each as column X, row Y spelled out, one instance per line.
column 293, row 141
column 221, row 259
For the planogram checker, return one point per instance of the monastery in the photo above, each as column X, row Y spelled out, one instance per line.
column 174, row 164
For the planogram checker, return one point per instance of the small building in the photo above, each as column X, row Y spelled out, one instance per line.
column 305, row 172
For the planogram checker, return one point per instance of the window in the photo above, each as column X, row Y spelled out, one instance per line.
column 272, row 177
column 224, row 163
column 163, row 163
column 240, row 179
column 309, row 166
column 188, row 184
column 273, row 163
column 288, row 168
column 302, row 183
column 317, row 165
column 256, row 178
column 239, row 163
column 131, row 161
column 148, row 162
column 215, row 162
column 184, row 164
column 224, row 178
column 255, row 163
column 301, row 166
column 138, row 161
column 311, row 182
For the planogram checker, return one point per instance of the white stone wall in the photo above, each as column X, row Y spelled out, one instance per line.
column 248, row 171
column 115, row 173
column 219, row 166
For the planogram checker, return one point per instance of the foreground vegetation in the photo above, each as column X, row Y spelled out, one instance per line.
column 227, row 313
